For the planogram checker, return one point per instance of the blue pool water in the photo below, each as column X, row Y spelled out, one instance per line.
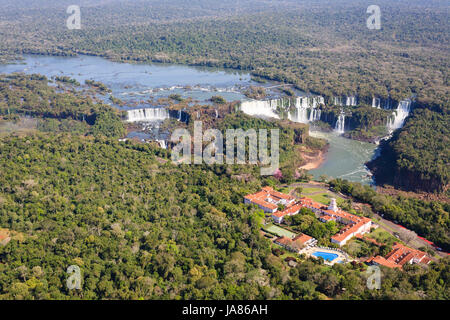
column 325, row 255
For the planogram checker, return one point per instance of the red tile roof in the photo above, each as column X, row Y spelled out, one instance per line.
column 293, row 209
column 268, row 198
column 382, row 261
column 400, row 255
column 302, row 238
column 284, row 240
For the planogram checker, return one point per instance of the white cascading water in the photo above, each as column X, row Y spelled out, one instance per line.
column 179, row 115
column 314, row 114
column 260, row 108
column 162, row 143
column 320, row 100
column 306, row 109
column 350, row 101
column 399, row 115
column 302, row 105
column 217, row 114
column 147, row 114
column 340, row 123
column 311, row 114
column 376, row 103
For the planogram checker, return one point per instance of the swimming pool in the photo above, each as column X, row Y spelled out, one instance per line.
column 325, row 255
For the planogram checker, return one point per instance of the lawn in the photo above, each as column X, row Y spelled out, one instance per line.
column 325, row 198
column 382, row 236
column 279, row 231
column 313, row 190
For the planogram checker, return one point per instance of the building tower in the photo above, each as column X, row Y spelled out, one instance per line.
column 333, row 205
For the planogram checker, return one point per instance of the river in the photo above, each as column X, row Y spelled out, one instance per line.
column 141, row 84
column 345, row 158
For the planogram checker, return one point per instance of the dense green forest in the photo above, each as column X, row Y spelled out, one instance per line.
column 429, row 219
column 60, row 106
column 417, row 157
column 142, row 228
column 317, row 47
column 320, row 48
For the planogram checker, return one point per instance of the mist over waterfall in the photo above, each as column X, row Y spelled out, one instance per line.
column 299, row 109
column 398, row 117
column 147, row 114
column 260, row 108
column 340, row 123
column 306, row 109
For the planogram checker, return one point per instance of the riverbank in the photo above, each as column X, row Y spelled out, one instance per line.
column 345, row 158
column 313, row 160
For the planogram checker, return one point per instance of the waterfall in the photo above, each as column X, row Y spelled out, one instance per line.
column 376, row 103
column 314, row 114
column 311, row 114
column 162, row 143
column 340, row 124
column 147, row 114
column 179, row 115
column 398, row 117
column 217, row 114
column 260, row 108
column 321, row 100
column 318, row 113
column 350, row 101
column 301, row 104
column 338, row 101
column 300, row 109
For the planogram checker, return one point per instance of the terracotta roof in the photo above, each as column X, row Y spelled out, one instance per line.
column 292, row 209
column 264, row 203
column 302, row 238
column 284, row 240
column 382, row 261
column 268, row 198
column 400, row 255
column 349, row 229
column 277, row 194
